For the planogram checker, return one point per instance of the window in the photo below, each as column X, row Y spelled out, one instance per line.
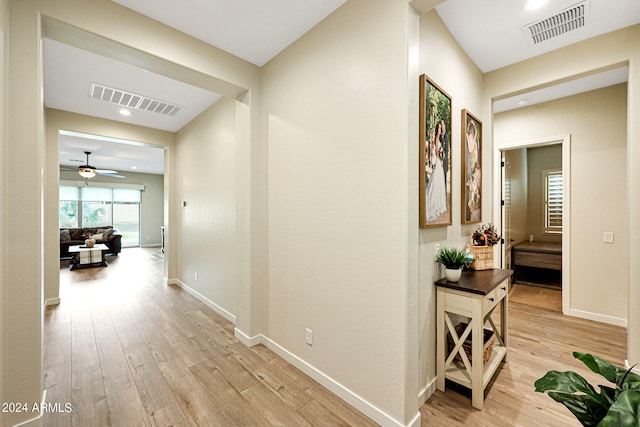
column 83, row 207
column 553, row 201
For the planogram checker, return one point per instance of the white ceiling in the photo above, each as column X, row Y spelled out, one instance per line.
column 489, row 31
column 110, row 153
column 254, row 30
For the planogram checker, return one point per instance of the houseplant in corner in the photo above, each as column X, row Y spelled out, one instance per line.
column 453, row 260
column 612, row 407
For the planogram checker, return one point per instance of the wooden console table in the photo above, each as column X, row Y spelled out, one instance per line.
column 475, row 296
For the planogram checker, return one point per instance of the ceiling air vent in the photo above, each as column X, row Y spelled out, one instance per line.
column 132, row 100
column 568, row 20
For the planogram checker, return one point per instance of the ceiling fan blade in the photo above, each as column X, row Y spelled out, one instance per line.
column 103, row 171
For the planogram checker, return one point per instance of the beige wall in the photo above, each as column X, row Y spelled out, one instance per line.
column 540, row 159
column 206, row 242
column 597, row 123
column 4, row 88
column 335, row 120
column 448, row 66
column 23, row 206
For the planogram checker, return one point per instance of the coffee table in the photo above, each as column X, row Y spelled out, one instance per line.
column 84, row 257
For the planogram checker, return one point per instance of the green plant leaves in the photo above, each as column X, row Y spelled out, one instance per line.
column 453, row 257
column 624, row 412
column 611, row 407
column 589, row 407
column 599, row 366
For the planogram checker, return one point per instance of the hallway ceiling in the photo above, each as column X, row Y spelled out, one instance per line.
column 489, row 31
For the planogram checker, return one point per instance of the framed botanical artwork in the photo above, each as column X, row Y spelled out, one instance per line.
column 471, row 168
column 435, row 155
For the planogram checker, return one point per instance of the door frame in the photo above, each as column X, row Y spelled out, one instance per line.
column 565, row 140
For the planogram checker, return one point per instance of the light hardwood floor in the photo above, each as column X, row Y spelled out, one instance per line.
column 125, row 350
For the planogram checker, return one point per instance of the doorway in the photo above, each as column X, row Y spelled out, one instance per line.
column 535, row 218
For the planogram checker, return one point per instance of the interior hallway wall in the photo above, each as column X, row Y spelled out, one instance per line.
column 335, row 120
column 206, row 167
column 4, row 120
column 446, row 64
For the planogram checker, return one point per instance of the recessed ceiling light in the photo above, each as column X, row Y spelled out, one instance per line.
column 523, row 102
column 535, row 4
column 125, row 112
column 133, row 167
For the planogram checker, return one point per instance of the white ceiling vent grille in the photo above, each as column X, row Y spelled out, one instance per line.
column 568, row 20
column 132, row 100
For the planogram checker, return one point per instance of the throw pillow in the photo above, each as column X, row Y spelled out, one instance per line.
column 65, row 236
column 97, row 237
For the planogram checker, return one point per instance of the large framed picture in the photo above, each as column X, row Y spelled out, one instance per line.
column 471, row 168
column 435, row 155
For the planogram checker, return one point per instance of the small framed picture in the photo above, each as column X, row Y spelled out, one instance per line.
column 471, row 168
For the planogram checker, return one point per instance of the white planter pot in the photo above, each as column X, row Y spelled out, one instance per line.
column 452, row 275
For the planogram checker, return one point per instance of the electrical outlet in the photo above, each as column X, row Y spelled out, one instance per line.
column 308, row 336
column 196, row 277
column 607, row 237
column 436, row 247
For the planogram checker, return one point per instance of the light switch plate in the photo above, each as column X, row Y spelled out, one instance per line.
column 607, row 237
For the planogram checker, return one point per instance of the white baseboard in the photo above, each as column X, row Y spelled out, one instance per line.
column 52, row 301
column 215, row 307
column 426, row 392
column 35, row 421
column 246, row 339
column 616, row 321
column 338, row 389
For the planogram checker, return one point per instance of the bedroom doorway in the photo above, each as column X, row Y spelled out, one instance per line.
column 535, row 216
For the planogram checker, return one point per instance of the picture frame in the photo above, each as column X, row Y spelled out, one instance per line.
column 435, row 155
column 471, row 208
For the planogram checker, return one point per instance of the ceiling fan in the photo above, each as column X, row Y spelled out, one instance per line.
column 88, row 171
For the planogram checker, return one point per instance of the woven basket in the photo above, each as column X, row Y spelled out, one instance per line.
column 487, row 348
column 482, row 257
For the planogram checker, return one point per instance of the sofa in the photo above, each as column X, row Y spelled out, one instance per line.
column 76, row 236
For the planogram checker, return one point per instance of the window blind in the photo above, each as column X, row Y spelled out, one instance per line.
column 553, row 201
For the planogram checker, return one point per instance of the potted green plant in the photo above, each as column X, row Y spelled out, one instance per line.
column 453, row 260
column 611, row 407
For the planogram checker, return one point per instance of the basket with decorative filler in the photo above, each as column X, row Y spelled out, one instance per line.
column 482, row 257
column 484, row 237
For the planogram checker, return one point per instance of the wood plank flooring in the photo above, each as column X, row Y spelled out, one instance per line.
column 125, row 350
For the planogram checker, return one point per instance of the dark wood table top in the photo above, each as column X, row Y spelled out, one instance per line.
column 477, row 281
